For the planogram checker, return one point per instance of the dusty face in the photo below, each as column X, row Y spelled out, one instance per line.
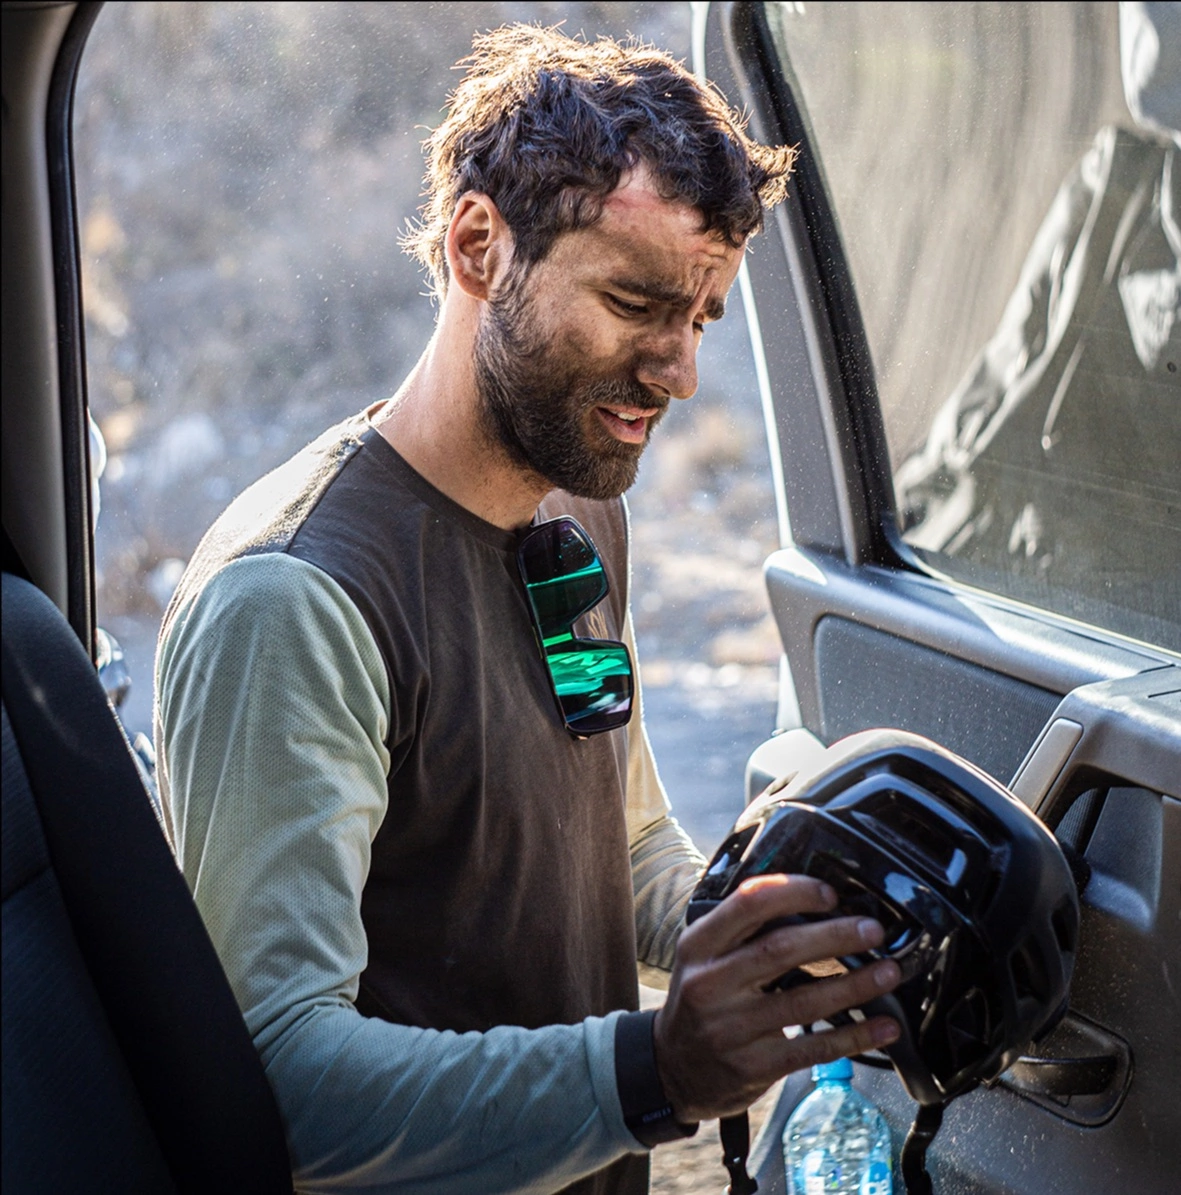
column 578, row 362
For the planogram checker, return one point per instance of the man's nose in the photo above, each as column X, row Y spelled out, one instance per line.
column 669, row 369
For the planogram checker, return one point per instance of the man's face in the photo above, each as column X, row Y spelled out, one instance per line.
column 579, row 360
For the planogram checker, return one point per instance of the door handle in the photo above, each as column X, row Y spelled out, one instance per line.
column 1082, row 1076
column 1062, row 1078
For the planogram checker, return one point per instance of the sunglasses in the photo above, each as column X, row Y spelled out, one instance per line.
column 564, row 578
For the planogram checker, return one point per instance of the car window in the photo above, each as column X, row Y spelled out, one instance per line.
column 1009, row 214
column 244, row 173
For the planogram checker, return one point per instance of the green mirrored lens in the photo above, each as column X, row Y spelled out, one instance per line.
column 593, row 682
column 564, row 579
column 562, row 574
column 558, row 601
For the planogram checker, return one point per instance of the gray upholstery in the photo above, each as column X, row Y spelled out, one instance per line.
column 126, row 1064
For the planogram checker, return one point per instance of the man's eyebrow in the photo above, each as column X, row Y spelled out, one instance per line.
column 673, row 296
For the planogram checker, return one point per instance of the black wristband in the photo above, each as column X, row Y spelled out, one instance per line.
column 646, row 1110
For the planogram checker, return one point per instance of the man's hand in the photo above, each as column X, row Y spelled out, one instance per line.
column 719, row 1037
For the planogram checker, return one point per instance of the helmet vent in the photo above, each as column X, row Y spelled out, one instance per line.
column 974, row 814
column 1064, row 919
column 909, row 827
column 1029, row 976
column 969, row 1029
column 991, row 882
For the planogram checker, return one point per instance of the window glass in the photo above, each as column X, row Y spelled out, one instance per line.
column 1008, row 200
column 244, row 174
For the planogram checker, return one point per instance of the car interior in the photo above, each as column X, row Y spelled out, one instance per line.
column 126, row 1064
column 878, row 630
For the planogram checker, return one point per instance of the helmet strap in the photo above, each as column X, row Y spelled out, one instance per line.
column 914, row 1150
column 735, row 1134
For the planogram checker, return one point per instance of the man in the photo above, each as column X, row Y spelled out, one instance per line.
column 429, row 895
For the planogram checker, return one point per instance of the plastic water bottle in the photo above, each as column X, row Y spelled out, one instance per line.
column 836, row 1142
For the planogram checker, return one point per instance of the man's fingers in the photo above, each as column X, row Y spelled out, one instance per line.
column 821, row 999
column 725, row 1084
column 719, row 1037
column 812, row 1049
column 814, row 1000
column 745, row 911
column 765, row 958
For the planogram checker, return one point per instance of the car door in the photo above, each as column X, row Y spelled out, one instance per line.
column 126, row 1062
column 965, row 318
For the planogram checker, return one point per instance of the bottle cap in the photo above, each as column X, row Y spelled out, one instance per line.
column 841, row 1069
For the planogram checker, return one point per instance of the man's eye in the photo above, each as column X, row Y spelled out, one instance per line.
column 626, row 308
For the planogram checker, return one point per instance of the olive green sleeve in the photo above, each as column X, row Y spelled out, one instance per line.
column 272, row 712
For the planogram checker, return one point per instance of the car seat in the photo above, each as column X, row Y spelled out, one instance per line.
column 127, row 1065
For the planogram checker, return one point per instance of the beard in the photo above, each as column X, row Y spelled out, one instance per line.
column 538, row 404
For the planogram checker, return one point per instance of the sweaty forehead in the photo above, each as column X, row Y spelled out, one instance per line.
column 636, row 210
column 643, row 237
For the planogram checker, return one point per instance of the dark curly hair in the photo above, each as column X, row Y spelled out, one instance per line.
column 546, row 125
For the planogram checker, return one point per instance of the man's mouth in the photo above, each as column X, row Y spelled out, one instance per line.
column 629, row 425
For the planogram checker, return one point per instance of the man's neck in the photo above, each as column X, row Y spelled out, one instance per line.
column 435, row 423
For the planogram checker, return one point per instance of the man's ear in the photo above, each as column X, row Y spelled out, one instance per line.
column 479, row 245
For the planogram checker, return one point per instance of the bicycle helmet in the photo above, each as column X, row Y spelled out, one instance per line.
column 977, row 900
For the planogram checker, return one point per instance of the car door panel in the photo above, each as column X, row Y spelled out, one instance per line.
column 870, row 646
column 990, row 721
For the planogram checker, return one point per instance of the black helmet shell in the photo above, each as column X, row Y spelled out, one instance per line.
column 977, row 900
